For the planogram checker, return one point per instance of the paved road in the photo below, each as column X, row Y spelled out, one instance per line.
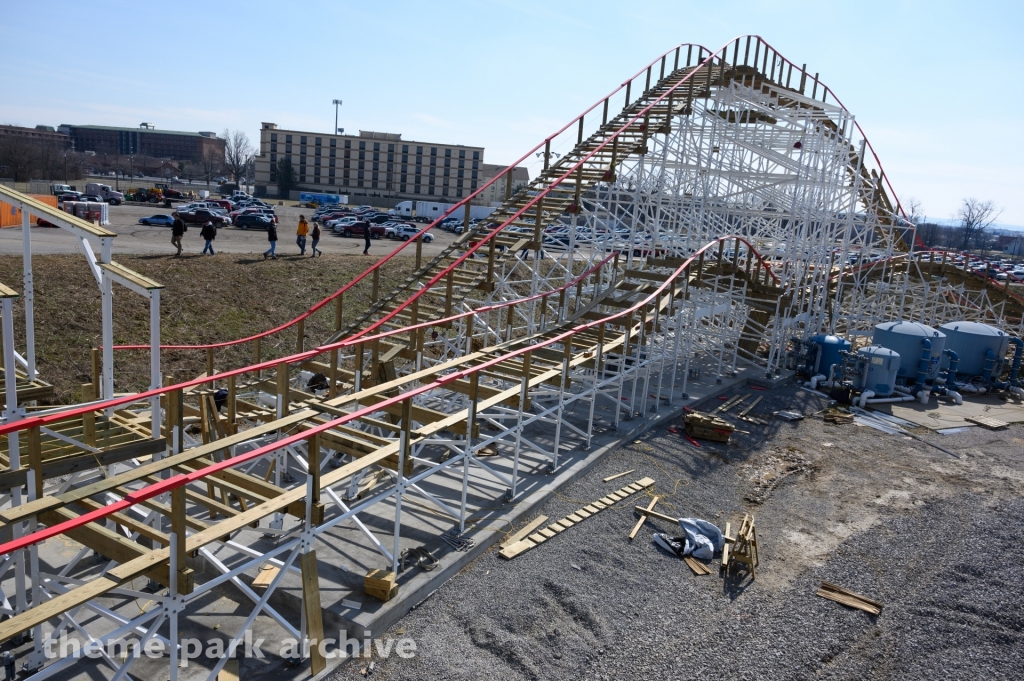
column 135, row 238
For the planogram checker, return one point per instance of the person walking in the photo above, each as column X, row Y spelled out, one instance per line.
column 178, row 230
column 300, row 234
column 366, row 237
column 315, row 234
column 209, row 233
column 272, row 238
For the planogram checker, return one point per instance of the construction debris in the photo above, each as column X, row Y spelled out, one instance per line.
column 619, row 475
column 789, row 415
column 836, row 593
column 540, row 536
column 838, row 417
column 741, row 549
column 708, row 427
column 698, row 567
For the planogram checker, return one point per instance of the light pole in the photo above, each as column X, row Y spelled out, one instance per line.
column 65, row 166
column 337, row 103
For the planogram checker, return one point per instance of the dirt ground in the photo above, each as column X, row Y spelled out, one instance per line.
column 935, row 538
column 207, row 299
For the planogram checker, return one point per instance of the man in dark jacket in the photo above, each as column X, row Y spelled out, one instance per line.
column 178, row 230
column 209, row 233
column 272, row 238
column 366, row 238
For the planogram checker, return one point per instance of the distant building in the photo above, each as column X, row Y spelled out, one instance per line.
column 370, row 164
column 40, row 133
column 145, row 140
column 495, row 194
column 1012, row 245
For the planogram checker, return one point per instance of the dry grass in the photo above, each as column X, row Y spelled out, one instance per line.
column 206, row 299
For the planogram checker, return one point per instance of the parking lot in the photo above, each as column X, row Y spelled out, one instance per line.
column 135, row 238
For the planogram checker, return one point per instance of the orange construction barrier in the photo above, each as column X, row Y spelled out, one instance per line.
column 11, row 216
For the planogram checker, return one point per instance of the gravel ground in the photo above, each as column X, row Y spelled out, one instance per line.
column 930, row 536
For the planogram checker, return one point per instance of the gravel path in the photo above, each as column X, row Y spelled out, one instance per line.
column 932, row 537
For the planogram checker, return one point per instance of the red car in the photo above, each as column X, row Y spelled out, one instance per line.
column 359, row 228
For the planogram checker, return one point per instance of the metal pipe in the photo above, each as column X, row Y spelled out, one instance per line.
column 1017, row 355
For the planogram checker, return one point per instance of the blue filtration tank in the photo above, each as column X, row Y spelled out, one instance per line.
column 905, row 338
column 880, row 370
column 827, row 352
column 970, row 340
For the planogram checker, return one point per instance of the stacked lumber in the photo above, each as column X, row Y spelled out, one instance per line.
column 380, row 584
column 512, row 549
column 708, row 427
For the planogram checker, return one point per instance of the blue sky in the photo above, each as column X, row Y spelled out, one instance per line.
column 934, row 84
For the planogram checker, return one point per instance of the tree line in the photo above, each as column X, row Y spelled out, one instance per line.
column 969, row 230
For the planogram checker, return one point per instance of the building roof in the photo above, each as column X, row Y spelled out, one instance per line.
column 362, row 137
column 206, row 135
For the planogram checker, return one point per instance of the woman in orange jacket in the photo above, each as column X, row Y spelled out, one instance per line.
column 300, row 238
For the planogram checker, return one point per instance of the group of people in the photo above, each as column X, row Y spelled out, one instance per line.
column 300, row 239
column 209, row 233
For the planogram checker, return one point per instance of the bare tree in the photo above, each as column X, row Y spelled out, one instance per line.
column 238, row 152
column 975, row 217
column 18, row 157
column 210, row 164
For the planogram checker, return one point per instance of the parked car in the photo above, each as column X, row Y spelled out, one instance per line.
column 406, row 232
column 258, row 220
column 44, row 223
column 359, row 228
column 340, row 224
column 220, row 180
column 92, row 198
column 157, row 220
column 202, row 215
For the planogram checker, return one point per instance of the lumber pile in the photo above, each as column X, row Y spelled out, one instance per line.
column 836, row 593
column 708, row 427
column 512, row 549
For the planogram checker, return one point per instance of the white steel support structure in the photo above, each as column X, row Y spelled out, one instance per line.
column 728, row 207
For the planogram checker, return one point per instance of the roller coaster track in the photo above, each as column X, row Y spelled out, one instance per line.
column 699, row 228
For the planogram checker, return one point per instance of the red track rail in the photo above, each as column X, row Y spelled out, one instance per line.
column 155, row 489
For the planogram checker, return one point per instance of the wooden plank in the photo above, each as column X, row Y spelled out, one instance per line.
column 643, row 519
column 654, row 514
column 618, row 475
column 843, row 590
column 229, row 672
column 508, row 552
column 265, row 576
column 313, row 610
column 525, row 531
column 987, row 422
column 575, row 518
column 591, row 509
column 698, row 567
column 538, row 538
column 548, row 534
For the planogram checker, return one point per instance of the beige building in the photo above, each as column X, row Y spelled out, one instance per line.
column 495, row 194
column 372, row 164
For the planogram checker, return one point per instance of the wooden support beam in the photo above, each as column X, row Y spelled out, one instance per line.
column 313, row 610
